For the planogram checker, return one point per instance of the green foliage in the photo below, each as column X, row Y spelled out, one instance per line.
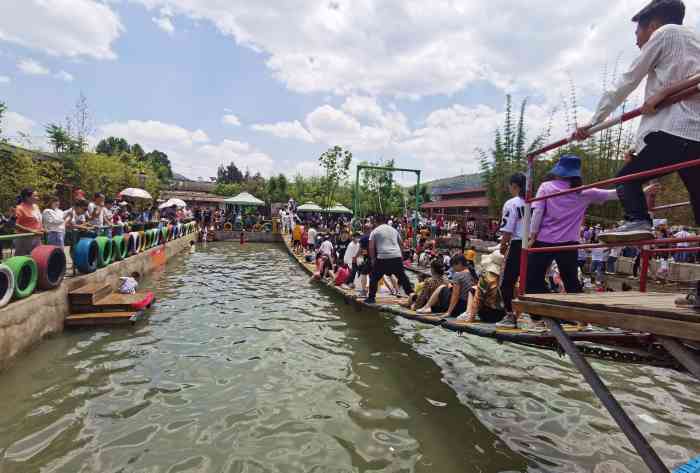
column 229, row 174
column 336, row 163
column 113, row 146
column 59, row 138
column 3, row 109
column 156, row 160
column 508, row 155
column 379, row 194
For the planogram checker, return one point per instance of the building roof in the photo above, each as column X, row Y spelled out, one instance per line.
column 470, row 202
column 189, row 196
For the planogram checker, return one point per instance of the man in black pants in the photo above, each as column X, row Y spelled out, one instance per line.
column 670, row 55
column 386, row 256
column 512, row 233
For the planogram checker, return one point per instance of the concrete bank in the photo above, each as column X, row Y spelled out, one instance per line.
column 26, row 322
column 250, row 237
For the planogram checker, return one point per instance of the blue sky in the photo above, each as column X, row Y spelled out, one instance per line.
column 270, row 86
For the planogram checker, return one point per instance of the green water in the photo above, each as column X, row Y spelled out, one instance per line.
column 246, row 366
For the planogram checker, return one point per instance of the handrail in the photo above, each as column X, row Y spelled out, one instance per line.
column 669, row 206
column 692, row 86
column 658, row 241
column 17, row 236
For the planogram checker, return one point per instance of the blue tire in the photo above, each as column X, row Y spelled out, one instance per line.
column 85, row 255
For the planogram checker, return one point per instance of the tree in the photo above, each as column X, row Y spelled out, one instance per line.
column 80, row 125
column 137, row 151
column 59, row 138
column 3, row 109
column 378, row 192
column 336, row 163
column 229, row 174
column 113, row 146
column 160, row 163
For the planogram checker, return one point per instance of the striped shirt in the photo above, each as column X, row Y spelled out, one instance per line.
column 671, row 55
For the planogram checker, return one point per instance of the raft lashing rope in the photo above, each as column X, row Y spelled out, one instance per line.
column 51, row 264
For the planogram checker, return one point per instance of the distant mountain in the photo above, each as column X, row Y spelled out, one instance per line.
column 180, row 177
column 454, row 184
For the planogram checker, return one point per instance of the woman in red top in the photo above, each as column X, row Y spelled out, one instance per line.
column 28, row 218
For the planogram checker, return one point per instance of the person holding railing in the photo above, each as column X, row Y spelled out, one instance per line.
column 670, row 55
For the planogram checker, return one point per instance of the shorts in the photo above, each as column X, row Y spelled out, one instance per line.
column 365, row 268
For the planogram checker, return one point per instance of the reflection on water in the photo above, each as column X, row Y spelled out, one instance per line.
column 245, row 366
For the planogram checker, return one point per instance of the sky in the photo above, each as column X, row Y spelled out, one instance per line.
column 272, row 84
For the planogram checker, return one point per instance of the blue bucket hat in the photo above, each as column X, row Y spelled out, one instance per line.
column 568, row 166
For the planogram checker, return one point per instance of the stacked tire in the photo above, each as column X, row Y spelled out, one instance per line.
column 51, row 266
column 25, row 275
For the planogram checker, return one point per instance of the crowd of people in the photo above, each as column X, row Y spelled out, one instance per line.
column 99, row 214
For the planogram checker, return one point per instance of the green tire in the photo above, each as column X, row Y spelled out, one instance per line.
column 118, row 248
column 104, row 251
column 25, row 273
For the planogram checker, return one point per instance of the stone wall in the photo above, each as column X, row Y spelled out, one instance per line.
column 26, row 322
column 250, row 237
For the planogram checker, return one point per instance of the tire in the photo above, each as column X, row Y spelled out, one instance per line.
column 134, row 243
column 154, row 237
column 118, row 248
column 7, row 285
column 86, row 255
column 228, row 227
column 164, row 234
column 142, row 241
column 25, row 275
column 104, row 255
column 180, row 230
column 125, row 248
column 51, row 264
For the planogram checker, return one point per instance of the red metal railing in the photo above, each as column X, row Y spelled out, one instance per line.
column 676, row 94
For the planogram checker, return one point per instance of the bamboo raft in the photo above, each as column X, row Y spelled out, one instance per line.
column 629, row 346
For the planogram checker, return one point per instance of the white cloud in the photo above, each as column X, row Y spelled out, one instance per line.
column 165, row 24
column 64, row 76
column 392, row 47
column 32, row 67
column 190, row 151
column 230, row 119
column 15, row 124
column 294, row 130
column 5, row 80
column 69, row 28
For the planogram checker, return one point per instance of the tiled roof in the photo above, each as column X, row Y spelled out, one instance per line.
column 188, row 196
column 471, row 202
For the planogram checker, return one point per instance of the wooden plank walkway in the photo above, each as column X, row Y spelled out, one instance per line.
column 654, row 313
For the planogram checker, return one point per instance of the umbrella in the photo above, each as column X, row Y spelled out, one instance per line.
column 309, row 207
column 244, row 199
column 339, row 209
column 173, row 203
column 135, row 193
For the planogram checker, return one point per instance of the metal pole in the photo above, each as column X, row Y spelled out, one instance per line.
column 415, row 220
column 644, row 271
column 527, row 222
column 684, row 356
column 355, row 201
column 649, row 456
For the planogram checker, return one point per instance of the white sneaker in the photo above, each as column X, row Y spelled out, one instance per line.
column 463, row 317
column 424, row 310
column 361, row 293
column 629, row 231
column 509, row 321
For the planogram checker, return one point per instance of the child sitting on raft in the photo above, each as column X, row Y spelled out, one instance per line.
column 452, row 299
column 128, row 284
column 485, row 300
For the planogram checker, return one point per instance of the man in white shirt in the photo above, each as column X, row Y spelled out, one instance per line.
column 312, row 237
column 512, row 230
column 326, row 248
column 387, row 258
column 670, row 54
column 350, row 257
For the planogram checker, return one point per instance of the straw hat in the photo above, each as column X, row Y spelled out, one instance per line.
column 493, row 263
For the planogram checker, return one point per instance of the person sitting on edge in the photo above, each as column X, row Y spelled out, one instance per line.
column 452, row 299
column 326, row 247
column 485, row 300
column 431, row 285
column 670, row 54
column 385, row 255
column 128, row 284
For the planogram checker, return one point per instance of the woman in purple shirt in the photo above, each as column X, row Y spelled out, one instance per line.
column 557, row 222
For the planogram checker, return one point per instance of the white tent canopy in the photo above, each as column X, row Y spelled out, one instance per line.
column 173, row 203
column 135, row 193
column 309, row 207
column 338, row 209
column 244, row 199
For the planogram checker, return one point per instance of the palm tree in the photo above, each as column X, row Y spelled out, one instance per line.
column 59, row 138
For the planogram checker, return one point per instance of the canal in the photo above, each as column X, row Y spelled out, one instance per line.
column 246, row 366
